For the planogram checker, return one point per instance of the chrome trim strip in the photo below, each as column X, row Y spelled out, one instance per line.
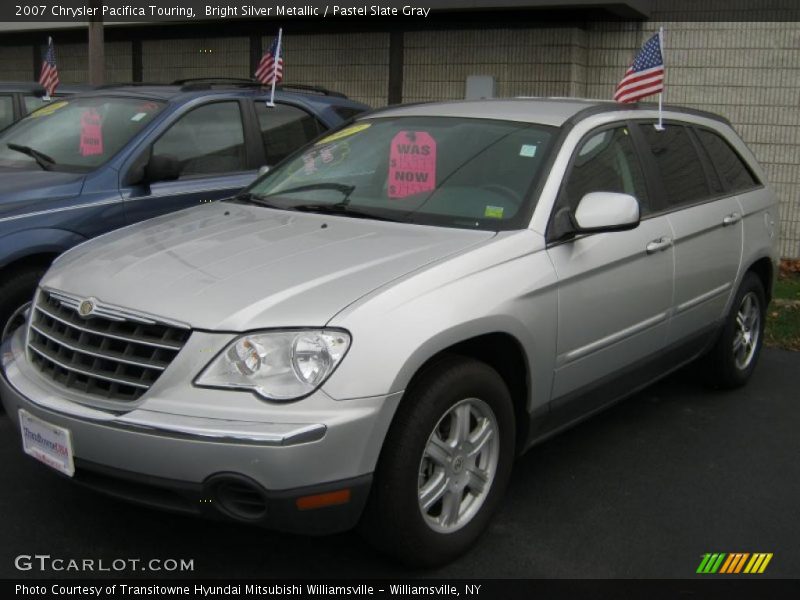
column 55, row 210
column 118, row 311
column 101, row 311
column 109, row 357
column 611, row 339
column 87, row 373
column 114, row 336
column 282, row 434
column 702, row 298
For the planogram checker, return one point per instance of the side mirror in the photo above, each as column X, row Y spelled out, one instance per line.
column 263, row 170
column 606, row 211
column 162, row 167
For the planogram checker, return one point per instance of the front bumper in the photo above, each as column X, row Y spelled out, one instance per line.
column 255, row 470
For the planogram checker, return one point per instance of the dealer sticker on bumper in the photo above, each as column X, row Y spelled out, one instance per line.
column 46, row 442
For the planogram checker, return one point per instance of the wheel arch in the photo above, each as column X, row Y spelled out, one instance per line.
column 38, row 259
column 33, row 244
column 765, row 271
column 505, row 354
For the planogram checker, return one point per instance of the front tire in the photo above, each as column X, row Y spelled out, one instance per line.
column 445, row 464
column 733, row 358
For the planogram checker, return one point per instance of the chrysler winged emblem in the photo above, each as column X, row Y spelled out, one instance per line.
column 86, row 308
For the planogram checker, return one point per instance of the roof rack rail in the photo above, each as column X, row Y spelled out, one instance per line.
column 217, row 80
column 316, row 89
column 203, row 83
column 110, row 86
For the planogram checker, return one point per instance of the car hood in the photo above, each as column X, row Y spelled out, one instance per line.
column 23, row 192
column 235, row 267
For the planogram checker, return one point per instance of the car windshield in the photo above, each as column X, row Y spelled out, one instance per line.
column 448, row 171
column 78, row 134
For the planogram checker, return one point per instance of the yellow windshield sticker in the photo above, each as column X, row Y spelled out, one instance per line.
column 346, row 132
column 49, row 110
column 493, row 212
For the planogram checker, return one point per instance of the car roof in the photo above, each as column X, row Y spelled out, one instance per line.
column 182, row 93
column 546, row 111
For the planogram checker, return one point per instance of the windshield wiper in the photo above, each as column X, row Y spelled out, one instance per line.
column 339, row 187
column 43, row 160
column 326, row 208
column 339, row 208
column 250, row 198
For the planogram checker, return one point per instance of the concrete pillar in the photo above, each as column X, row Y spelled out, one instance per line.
column 97, row 57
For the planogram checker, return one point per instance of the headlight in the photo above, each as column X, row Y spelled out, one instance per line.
column 278, row 365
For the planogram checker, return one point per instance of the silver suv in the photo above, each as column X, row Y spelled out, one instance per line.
column 372, row 331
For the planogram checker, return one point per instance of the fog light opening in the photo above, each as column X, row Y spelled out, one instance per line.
column 240, row 499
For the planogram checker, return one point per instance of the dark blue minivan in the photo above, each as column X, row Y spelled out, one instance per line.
column 84, row 165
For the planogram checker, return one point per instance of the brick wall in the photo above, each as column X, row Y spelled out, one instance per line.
column 16, row 63
column 355, row 64
column 164, row 61
column 524, row 62
column 73, row 62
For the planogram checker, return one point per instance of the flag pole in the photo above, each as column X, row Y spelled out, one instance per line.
column 46, row 97
column 271, row 102
column 660, row 126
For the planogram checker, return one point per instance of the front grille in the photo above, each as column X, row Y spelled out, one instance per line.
column 113, row 354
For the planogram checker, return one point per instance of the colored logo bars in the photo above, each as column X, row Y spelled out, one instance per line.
column 734, row 563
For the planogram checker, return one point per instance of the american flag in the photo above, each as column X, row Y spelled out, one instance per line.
column 48, row 77
column 271, row 68
column 645, row 76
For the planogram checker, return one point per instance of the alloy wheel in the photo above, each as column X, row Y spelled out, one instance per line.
column 458, row 465
column 748, row 331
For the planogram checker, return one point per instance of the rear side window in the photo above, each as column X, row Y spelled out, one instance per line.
column 733, row 170
column 677, row 164
column 284, row 129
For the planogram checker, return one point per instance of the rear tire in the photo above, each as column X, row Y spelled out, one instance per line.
column 15, row 294
column 445, row 464
column 733, row 358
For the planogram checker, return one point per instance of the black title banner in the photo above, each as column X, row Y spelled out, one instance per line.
column 117, row 11
column 190, row 10
column 490, row 589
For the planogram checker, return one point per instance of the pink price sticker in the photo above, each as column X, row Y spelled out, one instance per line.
column 91, row 133
column 412, row 164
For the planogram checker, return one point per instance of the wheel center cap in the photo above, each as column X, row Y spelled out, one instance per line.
column 458, row 464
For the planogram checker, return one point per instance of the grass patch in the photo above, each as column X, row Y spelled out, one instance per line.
column 783, row 326
column 783, row 315
column 787, row 287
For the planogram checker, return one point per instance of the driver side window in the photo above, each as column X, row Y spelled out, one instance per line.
column 606, row 162
column 206, row 141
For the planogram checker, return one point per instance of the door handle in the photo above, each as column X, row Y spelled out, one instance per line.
column 731, row 219
column 658, row 245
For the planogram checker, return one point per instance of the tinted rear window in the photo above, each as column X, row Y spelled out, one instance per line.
column 733, row 170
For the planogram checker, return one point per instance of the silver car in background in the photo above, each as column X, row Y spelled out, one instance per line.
column 371, row 332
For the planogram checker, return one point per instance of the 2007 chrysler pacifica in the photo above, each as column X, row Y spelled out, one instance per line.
column 372, row 331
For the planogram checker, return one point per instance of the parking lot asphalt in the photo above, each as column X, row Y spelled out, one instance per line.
column 642, row 490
